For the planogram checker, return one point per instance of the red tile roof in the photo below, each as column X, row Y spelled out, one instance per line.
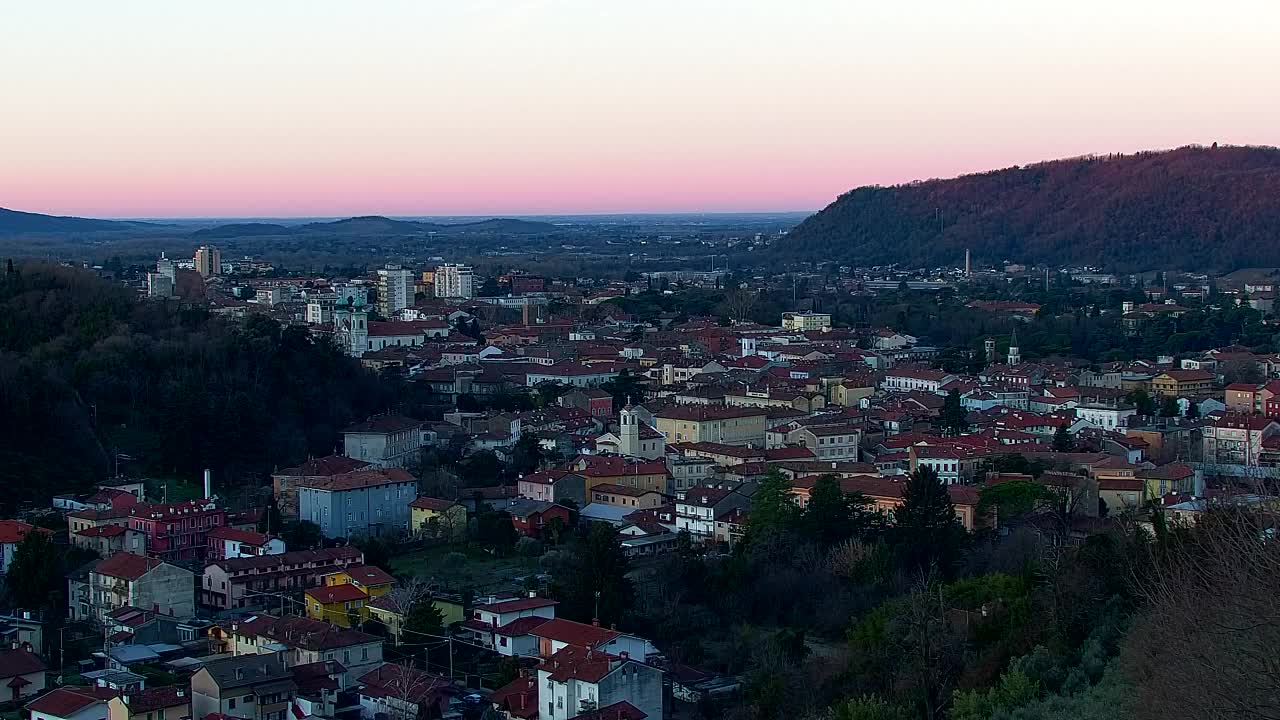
column 368, row 575
column 516, row 605
column 430, row 503
column 337, row 594
column 126, row 566
column 330, row 465
column 521, row 626
column 12, row 531
column 575, row 633
column 384, row 424
column 247, row 537
column 141, row 701
column 19, row 662
column 103, row 531
column 66, row 701
column 358, row 479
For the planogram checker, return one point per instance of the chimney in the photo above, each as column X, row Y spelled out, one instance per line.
column 595, row 622
column 182, row 693
column 208, row 484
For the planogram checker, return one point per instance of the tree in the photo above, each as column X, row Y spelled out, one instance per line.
column 831, row 516
column 526, row 454
column 467, row 403
column 35, row 571
column 772, row 507
column 377, row 552
column 626, row 389
column 1142, row 402
column 596, row 586
column 1062, row 441
column 926, row 529
column 930, row 647
column 1193, row 410
column 953, row 420
column 272, row 520
column 1169, row 407
column 738, row 304
column 1012, row 501
column 423, row 619
column 302, row 535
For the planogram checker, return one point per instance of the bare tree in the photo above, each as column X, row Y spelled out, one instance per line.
column 739, row 302
column 409, row 693
column 931, row 645
column 1206, row 645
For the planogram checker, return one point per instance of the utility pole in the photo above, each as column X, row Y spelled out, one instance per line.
column 450, row 658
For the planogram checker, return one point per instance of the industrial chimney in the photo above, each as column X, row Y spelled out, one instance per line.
column 208, row 484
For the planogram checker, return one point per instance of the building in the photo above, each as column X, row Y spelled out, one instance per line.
column 828, row 442
column 805, row 321
column 374, row 581
column 306, row 641
column 159, row 285
column 577, row 681
column 159, row 703
column 554, row 485
column 395, row 290
column 72, row 703
column 228, row 542
column 13, row 532
column 1182, row 383
column 628, row 497
column 433, row 517
column 648, row 475
column 1106, row 417
column 455, row 281
column 351, row 325
column 22, row 674
column 385, row 441
column 255, row 687
column 532, row 517
column 341, row 605
column 907, row 379
column 701, row 423
column 594, row 401
column 359, row 504
column 634, row 439
column 255, row 581
column 284, row 482
column 125, row 579
column 698, row 507
column 208, row 261
column 177, row 532
column 1237, row 439
column 494, row 619
column 398, row 692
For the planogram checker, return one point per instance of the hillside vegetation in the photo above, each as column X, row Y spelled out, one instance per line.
column 1191, row 208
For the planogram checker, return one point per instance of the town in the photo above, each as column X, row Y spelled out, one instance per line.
column 665, row 495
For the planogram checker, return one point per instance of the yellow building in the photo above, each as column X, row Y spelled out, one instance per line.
column 1180, row 383
column 802, row 321
column 433, row 517
column 705, row 423
column 343, row 605
column 387, row 611
column 374, row 581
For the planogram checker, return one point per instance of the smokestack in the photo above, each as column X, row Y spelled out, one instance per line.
column 208, row 484
column 967, row 269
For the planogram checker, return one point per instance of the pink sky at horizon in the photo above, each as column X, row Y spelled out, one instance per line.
column 300, row 108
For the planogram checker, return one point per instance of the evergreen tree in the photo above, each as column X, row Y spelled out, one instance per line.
column 423, row 617
column 1169, row 407
column 1193, row 410
column 596, row 586
column 772, row 507
column 34, row 571
column 1062, row 441
column 953, row 419
column 926, row 528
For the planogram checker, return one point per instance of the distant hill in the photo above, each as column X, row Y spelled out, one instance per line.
column 241, row 230
column 14, row 222
column 502, row 225
column 367, row 224
column 1191, row 208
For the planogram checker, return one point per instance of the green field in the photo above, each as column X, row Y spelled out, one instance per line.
column 478, row 570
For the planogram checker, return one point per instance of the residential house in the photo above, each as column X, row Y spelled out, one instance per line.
column 1178, row 478
column 596, row 402
column 13, row 532
column 159, row 703
column 554, row 635
column 907, row 379
column 374, row 581
column 177, row 532
column 579, row 682
column 1182, row 383
column 385, row 441
column 648, row 475
column 125, row 579
column 390, row 611
column 72, row 703
column 305, row 641
column 255, row 687
column 284, row 482
column 398, row 692
column 531, row 517
column 704, row 423
column 341, row 605
column 253, row 581
column 437, row 518
column 1236, row 439
column 22, row 674
column 828, row 442
column 228, row 542
column 494, row 615
column 698, row 507
column 624, row 496
column 554, row 485
column 372, row 502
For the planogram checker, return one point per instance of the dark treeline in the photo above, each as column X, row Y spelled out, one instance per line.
column 88, row 373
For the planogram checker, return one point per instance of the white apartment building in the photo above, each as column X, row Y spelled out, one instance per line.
column 455, row 281
column 802, row 321
column 395, row 290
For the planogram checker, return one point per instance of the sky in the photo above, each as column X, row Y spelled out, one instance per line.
column 286, row 108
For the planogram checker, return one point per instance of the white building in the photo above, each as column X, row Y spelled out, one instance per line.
column 455, row 281
column 576, row 682
column 1107, row 417
column 208, row 260
column 802, row 321
column 395, row 290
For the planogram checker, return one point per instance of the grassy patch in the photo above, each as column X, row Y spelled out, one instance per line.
column 477, row 569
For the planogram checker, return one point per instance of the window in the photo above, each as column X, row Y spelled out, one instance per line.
column 247, row 699
column 364, row 653
column 231, row 705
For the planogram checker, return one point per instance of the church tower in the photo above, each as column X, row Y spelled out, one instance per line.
column 1015, row 357
column 351, row 325
column 989, row 346
column 628, row 432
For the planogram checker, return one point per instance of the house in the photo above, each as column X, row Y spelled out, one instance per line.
column 304, row 641
column 12, row 532
column 698, row 507
column 176, row 532
column 577, row 681
column 554, row 485
column 907, row 379
column 707, row 423
column 125, row 579
column 1244, row 398
column 321, row 689
column 648, row 475
column 518, row 699
column 22, row 675
column 374, row 581
column 1236, row 439
column 803, row 321
column 385, row 441
column 828, row 442
column 531, row 517
column 491, row 621
column 554, row 635
column 160, row 703
column 625, row 496
column 398, row 692
column 284, row 481
column 434, row 517
column 1182, row 383
column 596, row 402
column 371, row 502
column 634, row 438
column 244, row 582
column 72, row 703
column 91, row 528
column 341, row 605
column 255, row 687
column 1171, row 478
column 228, row 542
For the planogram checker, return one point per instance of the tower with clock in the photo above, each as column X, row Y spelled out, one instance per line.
column 351, row 325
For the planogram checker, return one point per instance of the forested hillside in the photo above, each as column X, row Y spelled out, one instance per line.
column 86, row 371
column 1191, row 208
